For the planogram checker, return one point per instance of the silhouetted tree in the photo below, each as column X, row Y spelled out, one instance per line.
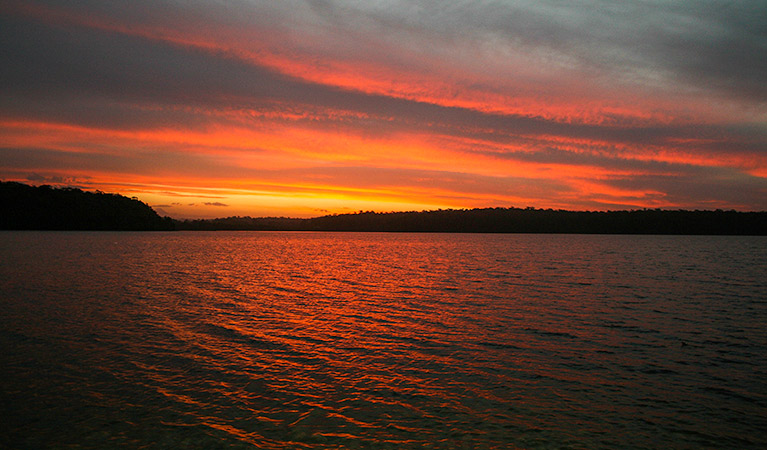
column 510, row 220
column 24, row 207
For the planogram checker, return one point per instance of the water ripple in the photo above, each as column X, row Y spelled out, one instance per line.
column 327, row 341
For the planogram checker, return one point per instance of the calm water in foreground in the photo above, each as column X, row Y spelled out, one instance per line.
column 345, row 340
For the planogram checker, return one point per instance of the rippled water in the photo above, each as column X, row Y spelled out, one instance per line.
column 345, row 340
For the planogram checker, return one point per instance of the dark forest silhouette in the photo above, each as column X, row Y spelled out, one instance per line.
column 24, row 207
column 509, row 220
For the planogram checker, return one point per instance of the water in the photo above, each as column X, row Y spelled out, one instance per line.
column 345, row 340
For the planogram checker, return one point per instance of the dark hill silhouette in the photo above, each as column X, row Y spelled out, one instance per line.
column 516, row 220
column 510, row 220
column 24, row 207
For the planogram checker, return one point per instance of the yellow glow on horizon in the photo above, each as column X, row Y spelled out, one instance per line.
column 277, row 147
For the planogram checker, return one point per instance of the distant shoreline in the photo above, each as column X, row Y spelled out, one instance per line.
column 24, row 207
column 506, row 220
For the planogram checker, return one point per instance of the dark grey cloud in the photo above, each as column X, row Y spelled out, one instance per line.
column 699, row 45
column 43, row 60
column 94, row 77
column 702, row 186
column 711, row 44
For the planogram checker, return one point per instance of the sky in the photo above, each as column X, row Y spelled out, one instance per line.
column 305, row 108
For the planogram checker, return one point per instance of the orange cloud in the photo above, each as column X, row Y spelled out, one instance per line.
column 279, row 146
column 437, row 84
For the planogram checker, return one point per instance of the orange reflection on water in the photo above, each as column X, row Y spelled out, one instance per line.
column 323, row 340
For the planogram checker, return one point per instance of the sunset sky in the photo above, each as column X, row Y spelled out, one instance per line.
column 304, row 108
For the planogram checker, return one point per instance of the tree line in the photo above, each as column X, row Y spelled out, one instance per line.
column 47, row 208
column 509, row 220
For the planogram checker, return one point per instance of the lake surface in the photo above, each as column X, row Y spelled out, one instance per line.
column 375, row 340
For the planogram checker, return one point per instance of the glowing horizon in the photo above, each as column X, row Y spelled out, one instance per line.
column 303, row 108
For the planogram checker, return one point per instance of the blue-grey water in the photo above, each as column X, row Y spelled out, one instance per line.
column 375, row 340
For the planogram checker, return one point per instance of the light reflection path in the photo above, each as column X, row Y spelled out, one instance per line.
column 315, row 340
